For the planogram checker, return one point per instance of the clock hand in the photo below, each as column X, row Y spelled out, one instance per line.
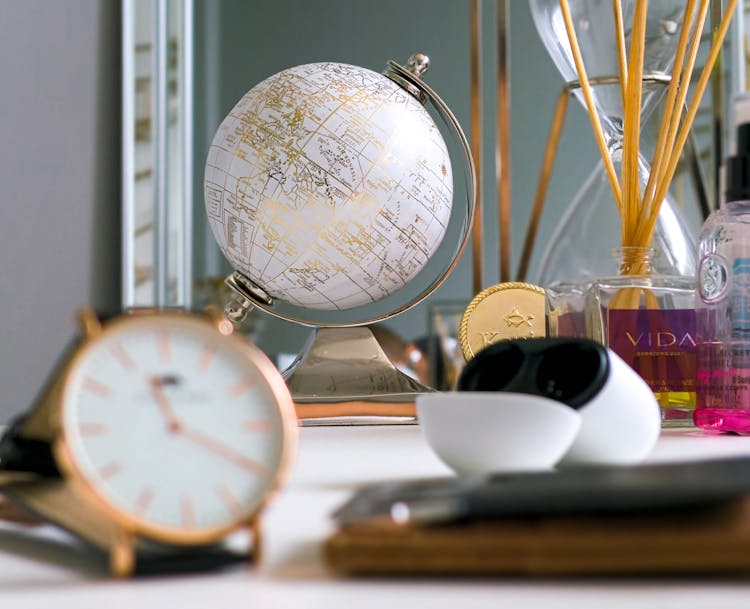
column 223, row 450
column 165, row 404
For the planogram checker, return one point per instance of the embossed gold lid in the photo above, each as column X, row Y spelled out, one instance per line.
column 502, row 311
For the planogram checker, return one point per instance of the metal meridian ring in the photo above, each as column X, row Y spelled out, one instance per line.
column 235, row 281
column 655, row 77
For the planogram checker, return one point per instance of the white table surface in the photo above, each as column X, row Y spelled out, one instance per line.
column 37, row 569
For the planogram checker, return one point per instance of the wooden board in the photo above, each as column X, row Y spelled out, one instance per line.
column 715, row 540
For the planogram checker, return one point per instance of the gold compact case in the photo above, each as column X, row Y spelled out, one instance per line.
column 158, row 436
column 503, row 311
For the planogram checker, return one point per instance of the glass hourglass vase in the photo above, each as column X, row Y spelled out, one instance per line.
column 590, row 227
column 580, row 246
column 595, row 30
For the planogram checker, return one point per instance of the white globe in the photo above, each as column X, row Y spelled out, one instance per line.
column 329, row 186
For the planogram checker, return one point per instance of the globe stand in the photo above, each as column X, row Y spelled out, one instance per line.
column 343, row 376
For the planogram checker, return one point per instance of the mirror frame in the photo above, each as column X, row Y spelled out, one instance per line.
column 157, row 163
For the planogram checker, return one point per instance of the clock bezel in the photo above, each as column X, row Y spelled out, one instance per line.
column 124, row 518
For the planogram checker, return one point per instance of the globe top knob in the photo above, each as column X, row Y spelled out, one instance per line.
column 418, row 64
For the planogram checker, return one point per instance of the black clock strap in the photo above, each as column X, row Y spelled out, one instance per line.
column 19, row 453
column 24, row 455
column 188, row 561
column 151, row 558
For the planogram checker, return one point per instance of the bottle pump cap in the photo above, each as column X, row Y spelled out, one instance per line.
column 741, row 109
column 738, row 166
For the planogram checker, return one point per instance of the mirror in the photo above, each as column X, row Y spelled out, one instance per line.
column 157, row 153
column 187, row 62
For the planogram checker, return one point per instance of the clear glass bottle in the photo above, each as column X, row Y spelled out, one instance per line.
column 723, row 303
column 648, row 319
column 566, row 302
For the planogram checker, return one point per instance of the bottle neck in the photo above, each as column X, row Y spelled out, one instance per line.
column 634, row 260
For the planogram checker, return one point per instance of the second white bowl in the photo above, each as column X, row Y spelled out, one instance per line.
column 484, row 432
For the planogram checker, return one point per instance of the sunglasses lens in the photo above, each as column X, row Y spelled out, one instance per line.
column 493, row 369
column 572, row 372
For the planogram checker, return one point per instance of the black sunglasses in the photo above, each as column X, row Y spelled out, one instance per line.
column 569, row 370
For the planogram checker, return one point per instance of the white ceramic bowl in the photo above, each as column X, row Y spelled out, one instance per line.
column 483, row 432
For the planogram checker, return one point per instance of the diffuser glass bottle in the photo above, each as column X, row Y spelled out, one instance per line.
column 723, row 303
column 648, row 319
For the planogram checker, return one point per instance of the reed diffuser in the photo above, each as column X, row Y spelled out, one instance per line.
column 646, row 317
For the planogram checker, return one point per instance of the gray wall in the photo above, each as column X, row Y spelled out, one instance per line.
column 59, row 170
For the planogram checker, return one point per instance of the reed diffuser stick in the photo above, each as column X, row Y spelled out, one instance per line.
column 669, row 102
column 684, row 75
column 700, row 88
column 545, row 175
column 622, row 59
column 630, row 298
column 632, row 123
column 590, row 106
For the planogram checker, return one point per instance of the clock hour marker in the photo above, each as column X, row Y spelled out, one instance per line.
column 163, row 344
column 207, row 356
column 123, row 357
column 92, row 429
column 144, row 500
column 241, row 387
column 110, row 470
column 256, row 426
column 229, row 500
column 188, row 512
column 96, row 387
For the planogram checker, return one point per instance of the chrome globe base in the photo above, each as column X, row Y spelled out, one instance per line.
column 343, row 377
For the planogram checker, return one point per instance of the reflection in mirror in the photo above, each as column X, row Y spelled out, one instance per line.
column 157, row 159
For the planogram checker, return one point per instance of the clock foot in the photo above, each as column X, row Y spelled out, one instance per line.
column 256, row 555
column 122, row 554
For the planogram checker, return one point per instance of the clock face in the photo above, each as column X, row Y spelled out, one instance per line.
column 181, row 430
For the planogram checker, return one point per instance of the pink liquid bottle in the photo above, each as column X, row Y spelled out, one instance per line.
column 723, row 298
